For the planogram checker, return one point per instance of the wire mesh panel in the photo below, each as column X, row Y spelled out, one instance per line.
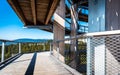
column 113, row 55
column 67, row 52
column 105, row 55
column 79, row 54
column 97, row 55
column 102, row 55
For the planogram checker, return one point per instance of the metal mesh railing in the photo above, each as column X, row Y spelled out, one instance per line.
column 105, row 55
column 94, row 53
column 9, row 49
column 74, row 56
column 112, row 54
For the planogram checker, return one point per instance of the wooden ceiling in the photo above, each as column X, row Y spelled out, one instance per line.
column 37, row 13
column 34, row 12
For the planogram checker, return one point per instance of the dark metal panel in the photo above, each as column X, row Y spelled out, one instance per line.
column 112, row 14
column 96, row 22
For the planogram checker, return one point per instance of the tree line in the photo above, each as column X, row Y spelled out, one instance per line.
column 12, row 49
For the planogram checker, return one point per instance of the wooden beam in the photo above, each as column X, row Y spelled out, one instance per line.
column 33, row 7
column 51, row 10
column 18, row 10
column 49, row 6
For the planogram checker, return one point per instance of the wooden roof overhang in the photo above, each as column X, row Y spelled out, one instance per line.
column 37, row 13
column 34, row 12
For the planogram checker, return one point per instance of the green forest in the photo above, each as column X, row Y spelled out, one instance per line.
column 12, row 49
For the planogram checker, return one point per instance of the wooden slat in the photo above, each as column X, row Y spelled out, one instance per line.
column 42, row 4
column 42, row 1
column 33, row 7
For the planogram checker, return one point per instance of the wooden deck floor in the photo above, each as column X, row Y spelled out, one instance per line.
column 44, row 65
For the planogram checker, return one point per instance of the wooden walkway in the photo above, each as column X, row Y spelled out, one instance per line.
column 35, row 64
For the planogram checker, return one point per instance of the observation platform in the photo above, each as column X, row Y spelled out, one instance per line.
column 41, row 63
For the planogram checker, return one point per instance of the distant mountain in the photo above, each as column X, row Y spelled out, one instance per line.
column 25, row 40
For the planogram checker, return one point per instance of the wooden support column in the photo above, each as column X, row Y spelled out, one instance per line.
column 59, row 29
column 74, row 42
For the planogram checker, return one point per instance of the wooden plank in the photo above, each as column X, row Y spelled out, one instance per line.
column 26, row 1
column 42, row 10
column 45, row 4
column 42, row 1
column 41, row 7
column 26, row 5
column 33, row 7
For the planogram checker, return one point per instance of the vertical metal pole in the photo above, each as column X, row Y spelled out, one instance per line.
column 44, row 46
column 3, row 48
column 89, row 68
column 50, row 49
column 19, row 47
column 58, row 50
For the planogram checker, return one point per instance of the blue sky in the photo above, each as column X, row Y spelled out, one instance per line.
column 11, row 26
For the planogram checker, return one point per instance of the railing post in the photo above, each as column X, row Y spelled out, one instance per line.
column 58, row 50
column 19, row 47
column 89, row 57
column 44, row 46
column 3, row 49
column 50, row 48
